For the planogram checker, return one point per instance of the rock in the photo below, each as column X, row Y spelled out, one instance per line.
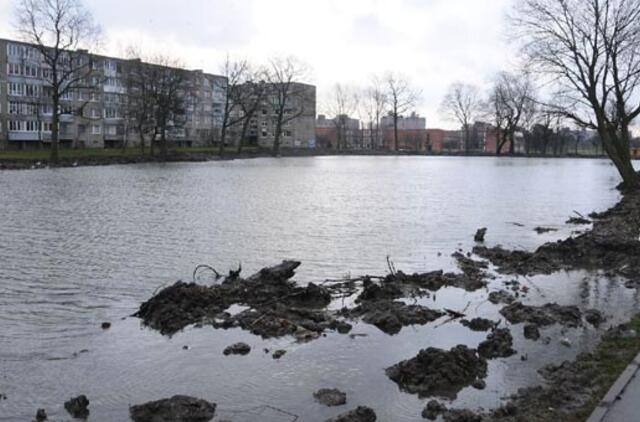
column 237, row 349
column 360, row 414
column 479, row 324
column 497, row 345
column 106, row 325
column 78, row 407
column 433, row 409
column 439, row 372
column 330, row 397
column 278, row 354
column 531, row 332
column 501, row 296
column 594, row 317
column 547, row 314
column 565, row 342
column 480, row 234
column 41, row 415
column 479, row 384
column 176, row 409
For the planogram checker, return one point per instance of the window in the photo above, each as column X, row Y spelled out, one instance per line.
column 110, row 130
column 16, row 126
column 110, row 113
column 46, row 126
column 15, row 89
column 96, row 129
column 95, row 114
column 32, row 126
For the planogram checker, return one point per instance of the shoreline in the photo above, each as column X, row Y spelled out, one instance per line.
column 197, row 156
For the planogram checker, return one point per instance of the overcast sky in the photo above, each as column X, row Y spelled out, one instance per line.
column 433, row 42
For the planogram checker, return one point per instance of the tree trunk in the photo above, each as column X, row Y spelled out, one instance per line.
column 223, row 136
column 621, row 158
column 245, row 127
column 276, row 139
column 141, row 140
column 395, row 131
column 55, row 133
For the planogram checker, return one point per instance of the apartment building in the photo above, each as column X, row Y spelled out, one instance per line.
column 300, row 114
column 96, row 116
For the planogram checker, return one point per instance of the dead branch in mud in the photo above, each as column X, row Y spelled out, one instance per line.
column 207, row 267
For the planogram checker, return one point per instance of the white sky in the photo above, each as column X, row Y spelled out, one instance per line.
column 433, row 42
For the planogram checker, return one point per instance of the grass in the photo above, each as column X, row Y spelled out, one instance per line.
column 43, row 154
column 610, row 359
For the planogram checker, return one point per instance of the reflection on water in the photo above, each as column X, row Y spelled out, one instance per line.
column 86, row 245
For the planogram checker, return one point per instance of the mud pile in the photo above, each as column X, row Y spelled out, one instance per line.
column 390, row 316
column 177, row 408
column 277, row 305
column 548, row 314
column 439, row 372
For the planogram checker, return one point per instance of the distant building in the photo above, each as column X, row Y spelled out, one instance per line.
column 412, row 122
column 95, row 118
column 341, row 132
column 412, row 133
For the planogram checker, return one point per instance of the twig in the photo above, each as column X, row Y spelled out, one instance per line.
column 208, row 267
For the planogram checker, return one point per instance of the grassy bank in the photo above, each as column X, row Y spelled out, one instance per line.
column 43, row 154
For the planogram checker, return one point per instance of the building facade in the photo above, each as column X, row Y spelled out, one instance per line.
column 95, row 117
column 341, row 132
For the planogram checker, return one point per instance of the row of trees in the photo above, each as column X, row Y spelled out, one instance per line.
column 390, row 95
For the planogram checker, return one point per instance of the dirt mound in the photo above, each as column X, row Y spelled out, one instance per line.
column 78, row 407
column 390, row 316
column 548, row 314
column 177, row 409
column 479, row 324
column 360, row 414
column 330, row 397
column 439, row 372
column 497, row 345
column 277, row 306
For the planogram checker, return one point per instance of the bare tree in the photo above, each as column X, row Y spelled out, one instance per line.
column 401, row 97
column 58, row 29
column 235, row 74
column 254, row 94
column 169, row 90
column 375, row 103
column 510, row 103
column 139, row 110
column 342, row 104
column 591, row 49
column 462, row 104
column 285, row 94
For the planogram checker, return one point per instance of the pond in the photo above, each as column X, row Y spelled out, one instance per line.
column 80, row 246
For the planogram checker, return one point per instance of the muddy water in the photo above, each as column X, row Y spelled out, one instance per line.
column 86, row 245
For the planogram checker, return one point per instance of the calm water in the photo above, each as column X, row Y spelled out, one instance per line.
column 86, row 245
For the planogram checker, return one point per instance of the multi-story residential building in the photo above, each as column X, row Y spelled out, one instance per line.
column 298, row 130
column 97, row 116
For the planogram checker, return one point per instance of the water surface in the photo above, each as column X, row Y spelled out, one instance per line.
column 80, row 246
